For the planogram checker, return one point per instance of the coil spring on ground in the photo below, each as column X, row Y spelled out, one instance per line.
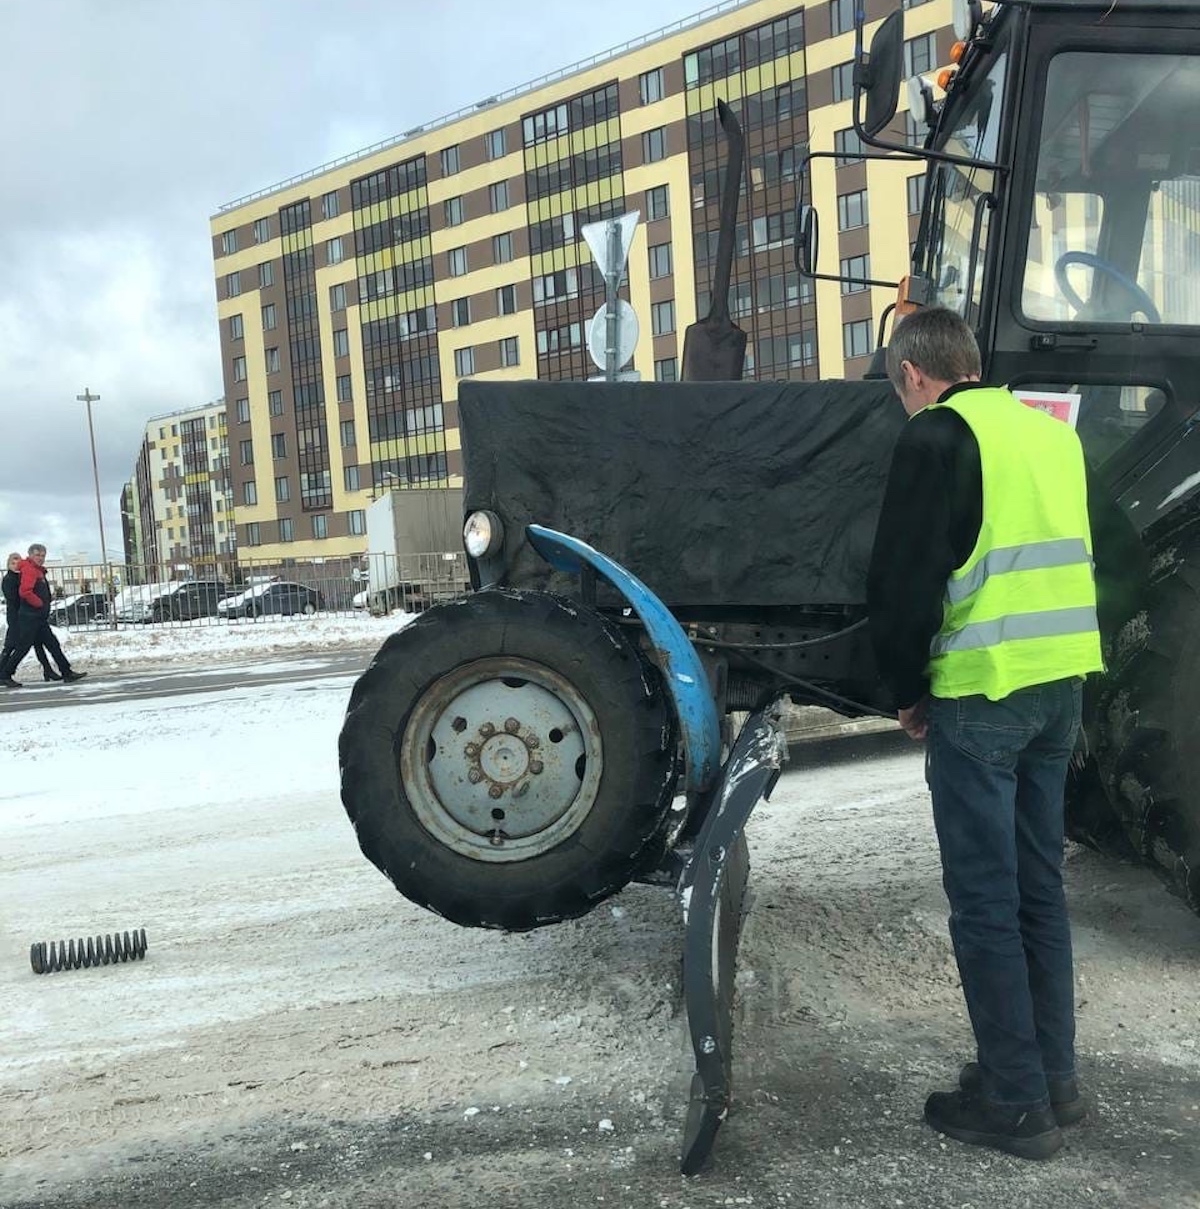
column 100, row 951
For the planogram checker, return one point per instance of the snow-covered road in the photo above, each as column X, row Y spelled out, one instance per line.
column 301, row 1034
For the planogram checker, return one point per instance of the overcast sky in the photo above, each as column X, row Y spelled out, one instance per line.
column 124, row 124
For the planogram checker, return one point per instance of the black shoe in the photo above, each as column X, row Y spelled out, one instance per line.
column 70, row 677
column 1066, row 1102
column 9, row 682
column 968, row 1117
column 49, row 673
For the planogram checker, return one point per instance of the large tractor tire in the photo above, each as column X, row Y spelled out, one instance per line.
column 508, row 760
column 1149, row 754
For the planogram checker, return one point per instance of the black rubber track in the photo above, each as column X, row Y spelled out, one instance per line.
column 625, row 829
column 1149, row 754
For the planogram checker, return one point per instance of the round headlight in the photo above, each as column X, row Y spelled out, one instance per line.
column 483, row 534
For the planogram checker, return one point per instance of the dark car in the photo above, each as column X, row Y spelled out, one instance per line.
column 273, row 600
column 188, row 600
column 79, row 610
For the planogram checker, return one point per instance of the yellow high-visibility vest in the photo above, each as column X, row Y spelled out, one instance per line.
column 1022, row 609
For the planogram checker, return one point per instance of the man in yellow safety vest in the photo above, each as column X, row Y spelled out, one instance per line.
column 983, row 615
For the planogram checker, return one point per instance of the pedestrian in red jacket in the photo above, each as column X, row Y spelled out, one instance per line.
column 33, row 624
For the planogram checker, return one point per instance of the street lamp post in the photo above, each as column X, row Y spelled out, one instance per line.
column 88, row 398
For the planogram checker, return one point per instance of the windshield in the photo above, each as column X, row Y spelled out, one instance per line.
column 958, row 197
column 1115, row 226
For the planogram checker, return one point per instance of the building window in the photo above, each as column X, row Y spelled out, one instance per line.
column 856, row 338
column 252, row 538
column 650, row 86
column 494, row 144
column 320, row 522
column 273, row 360
column 341, row 342
column 236, row 330
column 464, row 361
column 335, row 251
column 275, row 402
column 666, row 370
column 654, row 145
column 249, row 493
column 266, row 275
column 510, row 351
column 262, row 230
column 502, row 248
column 852, row 210
column 345, row 392
column 662, row 317
column 287, row 531
column 660, row 260
column 329, row 206
column 239, row 369
column 358, row 521
column 457, row 259
column 347, row 433
column 243, row 411
column 506, row 300
column 841, row 16
column 453, row 208
column 278, row 445
column 337, row 297
column 498, row 196
column 843, row 81
column 848, row 146
column 233, row 284
column 450, row 160
column 855, row 266
column 916, row 194
column 268, row 317
column 283, row 491
column 228, row 242
column 460, row 312
column 920, row 55
column 658, row 202
column 350, row 478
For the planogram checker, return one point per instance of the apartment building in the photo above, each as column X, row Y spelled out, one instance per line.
column 177, row 509
column 353, row 299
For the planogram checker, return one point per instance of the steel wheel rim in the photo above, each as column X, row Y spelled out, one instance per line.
column 501, row 759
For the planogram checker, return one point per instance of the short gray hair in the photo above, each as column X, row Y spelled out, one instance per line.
column 36, row 548
column 938, row 342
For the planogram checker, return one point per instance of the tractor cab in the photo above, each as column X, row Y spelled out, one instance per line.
column 1061, row 211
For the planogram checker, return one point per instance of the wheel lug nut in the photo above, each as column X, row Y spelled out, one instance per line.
column 532, row 741
column 472, row 749
column 474, row 776
column 511, row 725
column 496, row 791
column 487, row 730
column 535, row 766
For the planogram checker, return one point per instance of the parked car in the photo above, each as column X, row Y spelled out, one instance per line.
column 79, row 609
column 280, row 599
column 136, row 603
column 188, row 600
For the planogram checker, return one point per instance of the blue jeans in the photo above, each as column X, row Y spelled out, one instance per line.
column 996, row 772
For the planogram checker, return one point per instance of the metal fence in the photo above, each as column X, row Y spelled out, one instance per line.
column 227, row 591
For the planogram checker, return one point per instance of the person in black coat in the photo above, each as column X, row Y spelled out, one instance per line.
column 12, row 605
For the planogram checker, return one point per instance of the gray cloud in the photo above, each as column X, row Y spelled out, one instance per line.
column 128, row 122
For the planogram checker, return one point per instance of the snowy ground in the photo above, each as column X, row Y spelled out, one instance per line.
column 96, row 648
column 299, row 1034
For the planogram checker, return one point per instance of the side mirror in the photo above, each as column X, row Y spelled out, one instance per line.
column 881, row 74
column 806, row 239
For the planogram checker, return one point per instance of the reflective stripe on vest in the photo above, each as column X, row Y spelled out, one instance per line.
column 1021, row 610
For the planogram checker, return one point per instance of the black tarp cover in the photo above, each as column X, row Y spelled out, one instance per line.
column 716, row 494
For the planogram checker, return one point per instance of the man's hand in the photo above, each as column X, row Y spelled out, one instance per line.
column 915, row 719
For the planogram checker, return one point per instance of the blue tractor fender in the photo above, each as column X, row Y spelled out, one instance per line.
column 670, row 648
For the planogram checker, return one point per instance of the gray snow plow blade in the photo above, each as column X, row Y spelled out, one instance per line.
column 712, row 889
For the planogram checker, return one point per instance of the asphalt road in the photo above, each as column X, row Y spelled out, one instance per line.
column 100, row 688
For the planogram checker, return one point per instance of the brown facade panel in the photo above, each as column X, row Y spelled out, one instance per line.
column 852, row 177
column 855, row 242
column 662, row 289
column 818, row 88
column 454, row 461
column 856, row 306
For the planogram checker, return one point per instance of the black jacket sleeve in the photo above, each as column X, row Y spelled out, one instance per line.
column 928, row 526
